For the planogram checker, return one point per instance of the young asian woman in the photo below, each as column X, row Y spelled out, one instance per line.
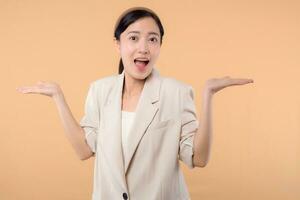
column 139, row 124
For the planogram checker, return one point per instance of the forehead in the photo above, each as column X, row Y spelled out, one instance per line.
column 144, row 25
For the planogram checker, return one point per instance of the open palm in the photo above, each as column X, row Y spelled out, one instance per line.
column 216, row 84
column 44, row 88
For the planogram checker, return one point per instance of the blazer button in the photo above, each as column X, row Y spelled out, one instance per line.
column 125, row 197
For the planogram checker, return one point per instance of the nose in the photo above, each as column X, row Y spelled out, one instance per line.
column 143, row 47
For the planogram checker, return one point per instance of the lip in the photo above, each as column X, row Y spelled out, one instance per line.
column 141, row 59
column 144, row 59
column 142, row 68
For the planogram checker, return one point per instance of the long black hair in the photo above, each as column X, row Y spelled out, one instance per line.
column 129, row 17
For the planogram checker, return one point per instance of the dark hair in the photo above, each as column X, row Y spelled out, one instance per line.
column 130, row 16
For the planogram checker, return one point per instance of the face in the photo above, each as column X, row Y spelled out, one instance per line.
column 139, row 47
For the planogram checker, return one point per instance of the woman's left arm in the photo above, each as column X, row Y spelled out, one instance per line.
column 203, row 137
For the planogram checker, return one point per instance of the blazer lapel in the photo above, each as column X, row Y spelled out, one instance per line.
column 112, row 145
column 145, row 112
column 146, row 109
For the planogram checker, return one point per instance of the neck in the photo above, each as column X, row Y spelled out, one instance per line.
column 132, row 87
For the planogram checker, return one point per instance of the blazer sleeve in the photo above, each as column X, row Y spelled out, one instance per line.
column 189, row 126
column 90, row 120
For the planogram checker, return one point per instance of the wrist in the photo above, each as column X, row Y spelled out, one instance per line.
column 207, row 93
column 58, row 96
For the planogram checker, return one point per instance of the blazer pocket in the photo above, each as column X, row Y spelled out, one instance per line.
column 161, row 124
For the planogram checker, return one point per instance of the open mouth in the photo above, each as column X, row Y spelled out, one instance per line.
column 141, row 62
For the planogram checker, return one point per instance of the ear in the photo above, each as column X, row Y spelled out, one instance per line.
column 117, row 45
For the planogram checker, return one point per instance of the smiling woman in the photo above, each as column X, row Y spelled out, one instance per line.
column 138, row 124
column 138, row 36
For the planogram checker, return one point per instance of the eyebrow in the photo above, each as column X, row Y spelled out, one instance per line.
column 150, row 33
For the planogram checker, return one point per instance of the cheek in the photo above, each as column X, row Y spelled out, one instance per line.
column 127, row 49
column 155, row 51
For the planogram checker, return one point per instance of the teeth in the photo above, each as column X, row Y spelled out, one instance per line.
column 142, row 59
column 145, row 61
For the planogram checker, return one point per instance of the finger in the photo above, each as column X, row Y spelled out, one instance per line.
column 41, row 83
column 28, row 90
column 240, row 81
column 226, row 77
column 22, row 88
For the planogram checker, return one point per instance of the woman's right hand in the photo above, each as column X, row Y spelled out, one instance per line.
column 74, row 132
column 50, row 89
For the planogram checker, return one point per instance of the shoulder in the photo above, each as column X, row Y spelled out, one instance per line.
column 103, row 83
column 171, row 88
column 108, row 80
column 171, row 83
column 175, row 95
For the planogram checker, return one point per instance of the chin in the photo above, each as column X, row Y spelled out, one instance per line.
column 144, row 75
column 140, row 75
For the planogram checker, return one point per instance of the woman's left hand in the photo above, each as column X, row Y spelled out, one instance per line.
column 216, row 84
column 202, row 138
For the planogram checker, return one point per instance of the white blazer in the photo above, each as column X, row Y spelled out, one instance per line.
column 162, row 134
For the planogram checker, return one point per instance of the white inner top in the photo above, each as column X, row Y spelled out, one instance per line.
column 127, row 120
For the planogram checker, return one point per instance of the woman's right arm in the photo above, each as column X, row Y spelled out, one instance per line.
column 73, row 131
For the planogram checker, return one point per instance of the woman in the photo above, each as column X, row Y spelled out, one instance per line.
column 139, row 124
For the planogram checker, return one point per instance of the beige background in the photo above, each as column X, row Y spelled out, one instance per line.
column 255, row 151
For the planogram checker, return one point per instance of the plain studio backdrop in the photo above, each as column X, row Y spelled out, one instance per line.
column 256, row 128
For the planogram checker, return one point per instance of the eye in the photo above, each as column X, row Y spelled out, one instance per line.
column 134, row 38
column 154, row 39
